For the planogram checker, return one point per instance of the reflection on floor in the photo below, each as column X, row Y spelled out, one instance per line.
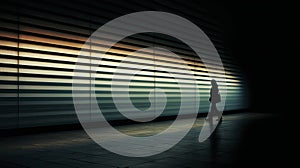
column 232, row 145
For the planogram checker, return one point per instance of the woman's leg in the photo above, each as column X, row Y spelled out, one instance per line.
column 210, row 112
column 213, row 109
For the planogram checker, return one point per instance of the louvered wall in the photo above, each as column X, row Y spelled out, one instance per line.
column 40, row 42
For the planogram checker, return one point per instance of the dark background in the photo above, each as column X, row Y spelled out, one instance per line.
column 261, row 36
column 262, row 39
column 262, row 42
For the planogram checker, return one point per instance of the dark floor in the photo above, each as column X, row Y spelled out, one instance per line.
column 241, row 140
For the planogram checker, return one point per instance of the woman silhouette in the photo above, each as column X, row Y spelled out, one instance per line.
column 214, row 98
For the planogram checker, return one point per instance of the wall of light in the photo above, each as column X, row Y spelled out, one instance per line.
column 39, row 45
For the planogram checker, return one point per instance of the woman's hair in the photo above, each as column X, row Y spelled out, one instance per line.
column 214, row 83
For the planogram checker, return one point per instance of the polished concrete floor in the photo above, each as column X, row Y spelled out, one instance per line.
column 241, row 140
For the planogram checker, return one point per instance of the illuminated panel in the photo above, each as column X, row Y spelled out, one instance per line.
column 39, row 48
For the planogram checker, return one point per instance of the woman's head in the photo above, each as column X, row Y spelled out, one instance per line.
column 214, row 83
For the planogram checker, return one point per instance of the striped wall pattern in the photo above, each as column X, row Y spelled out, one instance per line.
column 40, row 42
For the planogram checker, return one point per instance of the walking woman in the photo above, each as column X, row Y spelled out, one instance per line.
column 214, row 99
